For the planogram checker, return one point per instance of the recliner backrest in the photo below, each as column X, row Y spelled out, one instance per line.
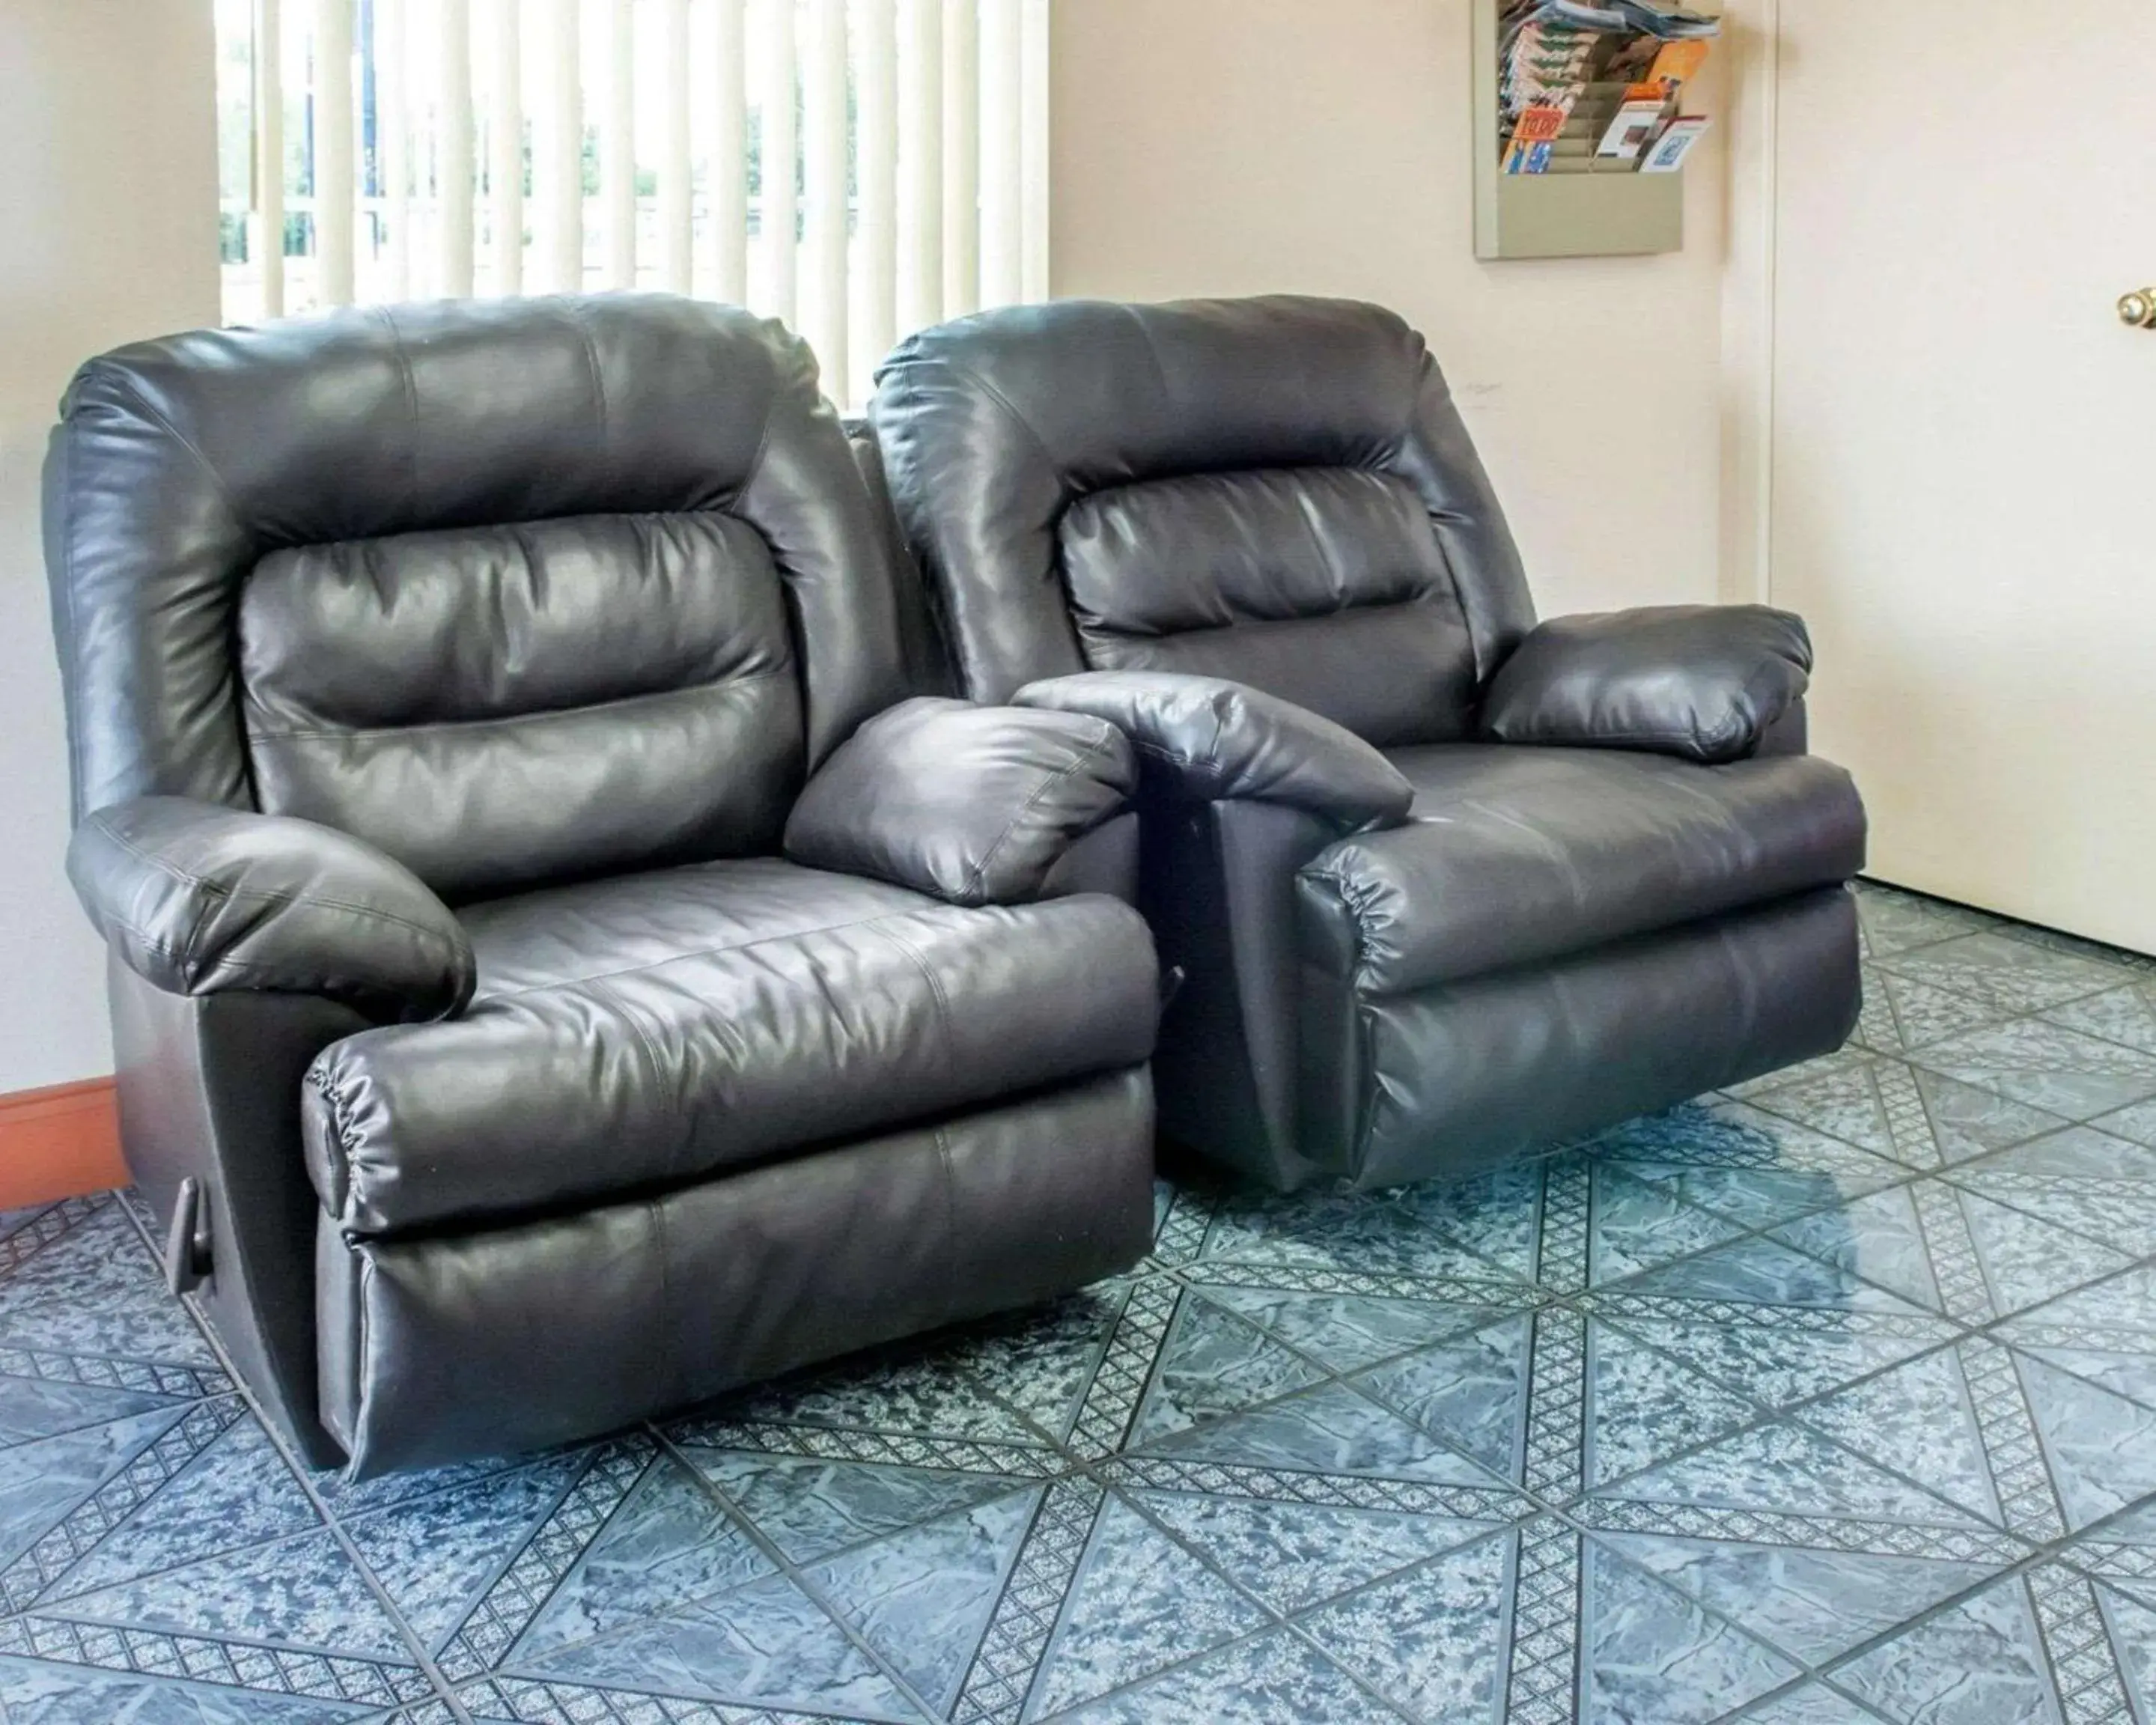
column 517, row 592
column 1275, row 491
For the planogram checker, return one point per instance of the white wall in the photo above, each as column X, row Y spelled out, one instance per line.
column 1232, row 147
column 108, row 232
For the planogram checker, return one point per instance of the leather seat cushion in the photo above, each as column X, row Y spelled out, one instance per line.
column 639, row 1034
column 1513, row 855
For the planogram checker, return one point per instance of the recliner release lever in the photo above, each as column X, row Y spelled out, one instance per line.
column 187, row 1241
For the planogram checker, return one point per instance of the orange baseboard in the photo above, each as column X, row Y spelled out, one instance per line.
column 58, row 1142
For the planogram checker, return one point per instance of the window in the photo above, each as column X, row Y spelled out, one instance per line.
column 857, row 167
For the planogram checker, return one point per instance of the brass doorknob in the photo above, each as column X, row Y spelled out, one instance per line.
column 2138, row 309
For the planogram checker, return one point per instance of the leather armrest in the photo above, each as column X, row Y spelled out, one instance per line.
column 972, row 804
column 199, row 899
column 1207, row 740
column 1706, row 682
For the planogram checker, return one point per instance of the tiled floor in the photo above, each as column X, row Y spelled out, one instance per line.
column 1833, row 1401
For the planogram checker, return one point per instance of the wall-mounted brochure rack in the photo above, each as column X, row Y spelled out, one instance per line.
column 1573, row 189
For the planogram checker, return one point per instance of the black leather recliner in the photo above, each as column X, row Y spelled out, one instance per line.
column 1447, row 885
column 556, row 975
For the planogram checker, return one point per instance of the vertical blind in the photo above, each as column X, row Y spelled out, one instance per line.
column 859, row 168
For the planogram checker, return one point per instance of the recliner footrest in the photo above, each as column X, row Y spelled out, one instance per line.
column 485, row 1343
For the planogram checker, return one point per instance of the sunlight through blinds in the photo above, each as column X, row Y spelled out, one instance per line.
column 858, row 167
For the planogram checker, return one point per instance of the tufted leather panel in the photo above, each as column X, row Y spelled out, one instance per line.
column 1513, row 855
column 181, row 465
column 734, row 1036
column 470, row 624
column 504, row 706
column 1269, row 575
column 481, row 1343
column 998, row 429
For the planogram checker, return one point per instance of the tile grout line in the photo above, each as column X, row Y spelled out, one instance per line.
column 795, row 1573
column 1767, row 1417
column 1276, row 1620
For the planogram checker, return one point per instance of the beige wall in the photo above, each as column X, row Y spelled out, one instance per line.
column 107, row 233
column 1233, row 147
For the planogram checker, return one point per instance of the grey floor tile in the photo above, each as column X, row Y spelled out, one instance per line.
column 1431, row 1639
column 767, row 1645
column 1345, row 1333
column 1275, row 1679
column 812, row 1508
column 1813, row 1603
column 2007, row 976
column 667, row 1545
column 2048, row 1066
column 1828, row 1402
column 1810, row 1704
column 1139, row 1603
column 1981, row 1659
column 1645, row 1405
column 1896, row 922
column 304, row 1593
column 1967, row 1121
column 2125, row 1014
column 1333, row 1430
column 1294, row 1556
column 1773, row 1355
column 51, row 1694
column 1650, row 1651
column 2137, row 1121
column 1212, row 1365
column 921, row 1598
column 1758, row 1270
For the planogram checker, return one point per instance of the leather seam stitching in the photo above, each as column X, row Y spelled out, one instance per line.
column 781, row 674
column 591, row 364
column 1426, row 364
column 144, row 405
column 264, row 895
column 1366, row 1076
column 1111, row 635
column 1024, row 424
column 227, row 680
column 1709, row 739
column 669, row 1367
column 702, row 952
column 935, row 991
column 1337, row 885
column 950, row 1221
column 366, row 1273
column 1099, row 747
column 411, row 394
column 193, row 973
column 345, row 1136
column 645, row 1044
column 74, row 702
column 1208, row 764
column 762, row 449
